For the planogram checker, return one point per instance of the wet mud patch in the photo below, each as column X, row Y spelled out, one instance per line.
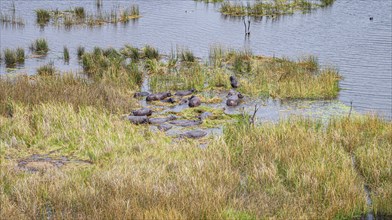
column 44, row 162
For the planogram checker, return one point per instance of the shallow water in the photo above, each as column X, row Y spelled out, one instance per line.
column 341, row 35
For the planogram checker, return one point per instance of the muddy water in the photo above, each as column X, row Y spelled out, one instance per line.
column 342, row 36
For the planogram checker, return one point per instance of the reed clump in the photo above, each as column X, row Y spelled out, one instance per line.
column 14, row 57
column 110, row 64
column 66, row 88
column 150, row 52
column 40, row 46
column 272, row 8
column 43, row 16
column 66, row 54
column 46, row 70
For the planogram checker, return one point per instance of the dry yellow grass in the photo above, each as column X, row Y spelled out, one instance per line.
column 293, row 169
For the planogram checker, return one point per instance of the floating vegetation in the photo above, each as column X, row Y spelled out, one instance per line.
column 78, row 16
column 66, row 54
column 13, row 57
column 271, row 8
column 12, row 20
column 40, row 46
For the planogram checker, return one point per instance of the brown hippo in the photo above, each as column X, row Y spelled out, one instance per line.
column 140, row 94
column 142, row 112
column 233, row 81
column 234, row 98
column 194, row 101
column 138, row 119
column 184, row 92
column 158, row 96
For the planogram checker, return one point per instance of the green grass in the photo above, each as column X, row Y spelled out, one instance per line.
column 80, row 52
column 40, row 46
column 13, row 57
column 79, row 12
column 150, row 52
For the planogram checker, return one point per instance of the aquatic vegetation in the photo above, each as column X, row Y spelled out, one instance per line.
column 66, row 54
column 109, row 64
column 185, row 78
column 271, row 8
column 79, row 12
column 43, row 16
column 46, row 70
column 209, row 1
column 295, row 167
column 13, row 57
column 78, row 16
column 80, row 52
column 150, row 52
column 10, row 57
column 40, row 46
column 131, row 52
column 187, row 56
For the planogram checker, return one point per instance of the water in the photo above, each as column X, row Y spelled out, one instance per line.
column 341, row 36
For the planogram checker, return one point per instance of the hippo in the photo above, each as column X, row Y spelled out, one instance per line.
column 158, row 96
column 186, row 123
column 142, row 112
column 169, row 100
column 233, row 81
column 194, row 134
column 184, row 92
column 164, row 127
column 140, row 94
column 138, row 119
column 194, row 101
column 162, row 120
column 234, row 99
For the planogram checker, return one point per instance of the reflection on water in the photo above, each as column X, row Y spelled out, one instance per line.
column 342, row 36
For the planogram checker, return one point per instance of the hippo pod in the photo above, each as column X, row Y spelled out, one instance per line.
column 158, row 96
column 234, row 98
column 233, row 81
column 142, row 112
column 184, row 92
column 194, row 101
column 140, row 94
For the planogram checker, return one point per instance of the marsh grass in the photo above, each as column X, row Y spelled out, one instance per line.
column 43, row 16
column 66, row 88
column 40, row 46
column 272, row 8
column 79, row 12
column 10, row 58
column 80, row 51
column 66, row 54
column 110, row 64
column 182, row 79
column 150, row 52
column 131, row 52
column 292, row 169
column 46, row 70
column 130, row 13
column 187, row 56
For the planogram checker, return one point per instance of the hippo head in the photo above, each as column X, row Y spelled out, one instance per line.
column 168, row 94
column 193, row 90
column 232, row 78
column 191, row 97
column 240, row 96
